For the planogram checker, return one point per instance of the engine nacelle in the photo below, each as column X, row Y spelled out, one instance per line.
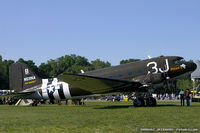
column 155, row 78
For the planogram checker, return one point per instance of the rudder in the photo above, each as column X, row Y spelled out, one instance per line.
column 21, row 77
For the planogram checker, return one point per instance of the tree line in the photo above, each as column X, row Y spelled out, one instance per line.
column 66, row 64
column 52, row 68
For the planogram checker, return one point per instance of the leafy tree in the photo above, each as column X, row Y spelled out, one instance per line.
column 98, row 64
column 67, row 64
column 74, row 64
column 7, row 63
column 81, row 61
column 184, row 83
column 44, row 71
column 4, row 73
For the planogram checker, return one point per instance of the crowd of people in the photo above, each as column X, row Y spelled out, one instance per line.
column 166, row 96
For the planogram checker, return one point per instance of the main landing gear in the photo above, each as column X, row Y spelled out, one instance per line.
column 151, row 101
column 141, row 100
column 138, row 102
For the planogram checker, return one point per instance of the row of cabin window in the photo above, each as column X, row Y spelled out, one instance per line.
column 129, row 74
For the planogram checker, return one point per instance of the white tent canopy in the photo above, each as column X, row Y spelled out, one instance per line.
column 196, row 73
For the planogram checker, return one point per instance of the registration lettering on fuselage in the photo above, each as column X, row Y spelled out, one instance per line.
column 154, row 66
column 29, row 78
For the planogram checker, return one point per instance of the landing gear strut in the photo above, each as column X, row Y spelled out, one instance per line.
column 140, row 100
column 151, row 101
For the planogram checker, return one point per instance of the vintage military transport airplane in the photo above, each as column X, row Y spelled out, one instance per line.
column 140, row 77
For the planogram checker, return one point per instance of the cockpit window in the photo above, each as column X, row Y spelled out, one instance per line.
column 182, row 60
column 177, row 61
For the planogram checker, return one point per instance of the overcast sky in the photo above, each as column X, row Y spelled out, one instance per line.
column 111, row 30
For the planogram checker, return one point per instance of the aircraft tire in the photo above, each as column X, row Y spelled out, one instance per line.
column 151, row 102
column 139, row 102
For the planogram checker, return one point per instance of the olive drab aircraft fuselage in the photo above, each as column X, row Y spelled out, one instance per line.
column 138, row 77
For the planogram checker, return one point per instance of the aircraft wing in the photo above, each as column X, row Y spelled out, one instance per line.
column 99, row 85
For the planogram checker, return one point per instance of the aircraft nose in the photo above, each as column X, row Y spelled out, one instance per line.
column 192, row 66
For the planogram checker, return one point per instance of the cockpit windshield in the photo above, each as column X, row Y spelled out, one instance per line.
column 178, row 60
column 181, row 60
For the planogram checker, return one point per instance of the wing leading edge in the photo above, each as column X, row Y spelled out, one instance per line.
column 99, row 85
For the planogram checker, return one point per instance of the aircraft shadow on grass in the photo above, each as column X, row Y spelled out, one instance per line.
column 128, row 106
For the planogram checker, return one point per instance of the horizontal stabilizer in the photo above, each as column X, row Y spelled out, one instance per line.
column 22, row 95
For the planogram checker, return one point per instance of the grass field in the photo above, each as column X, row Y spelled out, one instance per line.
column 98, row 117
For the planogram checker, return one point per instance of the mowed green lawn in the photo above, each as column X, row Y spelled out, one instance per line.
column 97, row 117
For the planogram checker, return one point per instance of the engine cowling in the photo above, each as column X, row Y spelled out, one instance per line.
column 155, row 78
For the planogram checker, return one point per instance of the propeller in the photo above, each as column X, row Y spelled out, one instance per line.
column 166, row 78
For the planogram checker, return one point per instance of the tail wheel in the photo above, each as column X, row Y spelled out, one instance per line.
column 139, row 102
column 151, row 101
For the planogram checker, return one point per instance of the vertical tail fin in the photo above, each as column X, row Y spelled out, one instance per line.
column 21, row 77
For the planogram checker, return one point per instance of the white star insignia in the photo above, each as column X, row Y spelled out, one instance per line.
column 51, row 89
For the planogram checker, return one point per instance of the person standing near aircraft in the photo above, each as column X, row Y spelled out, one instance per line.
column 188, row 97
column 182, row 97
